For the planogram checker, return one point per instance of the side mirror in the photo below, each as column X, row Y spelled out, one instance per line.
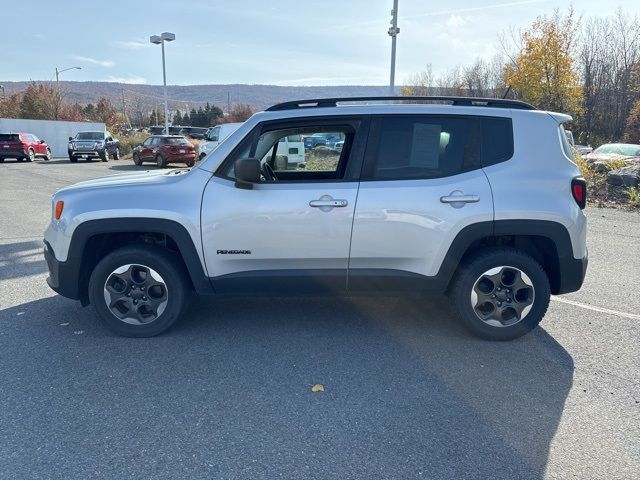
column 70, row 138
column 41, row 141
column 247, row 171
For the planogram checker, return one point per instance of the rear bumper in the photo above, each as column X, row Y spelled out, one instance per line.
column 12, row 154
column 572, row 273
column 63, row 278
column 180, row 158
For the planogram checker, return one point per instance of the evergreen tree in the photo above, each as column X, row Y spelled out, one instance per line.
column 177, row 118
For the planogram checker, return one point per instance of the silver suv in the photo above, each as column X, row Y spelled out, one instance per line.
column 479, row 198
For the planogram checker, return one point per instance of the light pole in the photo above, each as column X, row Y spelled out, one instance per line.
column 58, row 72
column 159, row 40
column 393, row 33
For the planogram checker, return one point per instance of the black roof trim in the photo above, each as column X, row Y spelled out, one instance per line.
column 458, row 101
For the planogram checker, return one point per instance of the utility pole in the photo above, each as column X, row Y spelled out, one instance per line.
column 124, row 110
column 393, row 33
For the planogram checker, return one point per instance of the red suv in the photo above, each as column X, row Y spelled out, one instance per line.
column 23, row 146
column 165, row 149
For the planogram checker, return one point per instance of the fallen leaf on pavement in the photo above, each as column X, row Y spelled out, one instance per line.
column 317, row 388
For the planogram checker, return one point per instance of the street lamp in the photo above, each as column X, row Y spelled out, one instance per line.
column 159, row 40
column 393, row 33
column 58, row 72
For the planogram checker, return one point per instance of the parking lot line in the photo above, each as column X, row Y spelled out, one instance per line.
column 632, row 316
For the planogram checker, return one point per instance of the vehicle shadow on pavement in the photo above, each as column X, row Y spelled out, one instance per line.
column 21, row 259
column 227, row 392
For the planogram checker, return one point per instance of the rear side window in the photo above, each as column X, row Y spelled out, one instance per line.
column 497, row 140
column 422, row 147
column 566, row 147
column 175, row 141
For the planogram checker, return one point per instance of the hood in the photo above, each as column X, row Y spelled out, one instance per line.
column 147, row 177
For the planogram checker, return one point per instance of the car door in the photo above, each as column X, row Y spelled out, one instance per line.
column 422, row 184
column 38, row 147
column 287, row 234
column 143, row 153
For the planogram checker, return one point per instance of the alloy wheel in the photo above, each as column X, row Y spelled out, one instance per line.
column 135, row 294
column 502, row 296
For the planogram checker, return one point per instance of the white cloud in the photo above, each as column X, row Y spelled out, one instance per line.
column 131, row 44
column 102, row 63
column 133, row 79
column 456, row 21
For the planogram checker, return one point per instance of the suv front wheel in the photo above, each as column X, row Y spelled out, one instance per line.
column 139, row 291
column 500, row 294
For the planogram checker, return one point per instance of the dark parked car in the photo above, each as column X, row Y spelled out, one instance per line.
column 23, row 146
column 90, row 145
column 165, row 149
column 322, row 140
column 194, row 132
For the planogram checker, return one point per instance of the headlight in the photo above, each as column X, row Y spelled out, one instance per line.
column 70, row 146
column 99, row 144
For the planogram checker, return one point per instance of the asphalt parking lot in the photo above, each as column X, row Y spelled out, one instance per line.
column 227, row 392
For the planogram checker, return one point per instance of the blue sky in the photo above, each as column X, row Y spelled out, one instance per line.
column 282, row 42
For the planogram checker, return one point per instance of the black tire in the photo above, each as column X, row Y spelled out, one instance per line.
column 105, row 157
column 20, row 159
column 191, row 163
column 31, row 156
column 166, row 264
column 136, row 159
column 47, row 155
column 116, row 154
column 73, row 159
column 1, row 160
column 473, row 269
column 160, row 161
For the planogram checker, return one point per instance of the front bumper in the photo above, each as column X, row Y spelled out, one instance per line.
column 63, row 277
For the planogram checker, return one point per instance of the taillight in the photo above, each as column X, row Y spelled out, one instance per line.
column 579, row 191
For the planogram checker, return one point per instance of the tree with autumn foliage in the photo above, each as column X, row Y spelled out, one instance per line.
column 542, row 71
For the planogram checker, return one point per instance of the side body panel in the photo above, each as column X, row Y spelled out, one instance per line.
column 273, row 227
column 536, row 183
column 403, row 225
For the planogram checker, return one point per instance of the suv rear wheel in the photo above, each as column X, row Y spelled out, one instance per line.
column 500, row 294
column 139, row 291
column 31, row 155
column 161, row 161
column 116, row 154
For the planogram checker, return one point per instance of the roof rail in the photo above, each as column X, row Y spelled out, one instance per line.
column 460, row 101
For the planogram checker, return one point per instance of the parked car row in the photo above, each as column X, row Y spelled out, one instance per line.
column 191, row 132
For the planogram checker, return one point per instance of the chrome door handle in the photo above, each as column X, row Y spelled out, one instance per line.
column 328, row 203
column 460, row 199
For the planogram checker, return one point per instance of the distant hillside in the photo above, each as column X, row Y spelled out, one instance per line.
column 183, row 96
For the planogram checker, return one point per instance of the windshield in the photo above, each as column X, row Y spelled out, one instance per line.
column 90, row 136
column 619, row 149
